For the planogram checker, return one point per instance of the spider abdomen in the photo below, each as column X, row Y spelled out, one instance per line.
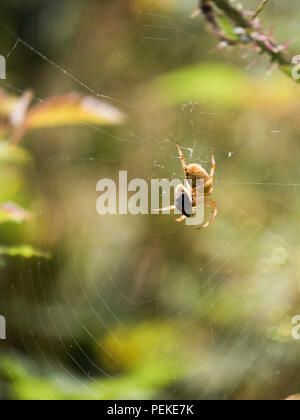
column 184, row 204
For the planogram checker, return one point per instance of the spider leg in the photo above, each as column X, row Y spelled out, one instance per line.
column 213, row 205
column 179, row 188
column 212, row 173
column 181, row 219
column 183, row 164
column 165, row 209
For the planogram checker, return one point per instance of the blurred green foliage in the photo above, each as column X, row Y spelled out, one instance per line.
column 138, row 306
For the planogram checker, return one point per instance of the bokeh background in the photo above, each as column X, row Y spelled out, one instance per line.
column 132, row 307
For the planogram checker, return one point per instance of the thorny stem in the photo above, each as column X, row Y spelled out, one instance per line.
column 249, row 25
column 208, row 11
column 260, row 8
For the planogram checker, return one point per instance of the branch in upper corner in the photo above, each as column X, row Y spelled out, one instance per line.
column 206, row 7
column 246, row 29
column 260, row 8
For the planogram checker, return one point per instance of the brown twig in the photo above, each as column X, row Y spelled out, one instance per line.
column 248, row 27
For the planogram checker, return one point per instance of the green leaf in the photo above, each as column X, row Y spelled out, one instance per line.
column 226, row 87
column 227, row 27
column 25, row 251
column 13, row 154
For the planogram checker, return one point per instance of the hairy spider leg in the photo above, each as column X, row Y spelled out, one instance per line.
column 166, row 208
column 213, row 205
column 183, row 164
column 181, row 219
column 212, row 173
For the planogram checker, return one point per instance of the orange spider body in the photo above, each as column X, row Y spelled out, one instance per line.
column 194, row 172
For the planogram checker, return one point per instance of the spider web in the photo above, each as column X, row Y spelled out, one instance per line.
column 214, row 306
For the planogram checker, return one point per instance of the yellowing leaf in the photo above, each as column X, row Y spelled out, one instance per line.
column 293, row 398
column 10, row 212
column 72, row 109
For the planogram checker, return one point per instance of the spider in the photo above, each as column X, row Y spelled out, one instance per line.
column 186, row 197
